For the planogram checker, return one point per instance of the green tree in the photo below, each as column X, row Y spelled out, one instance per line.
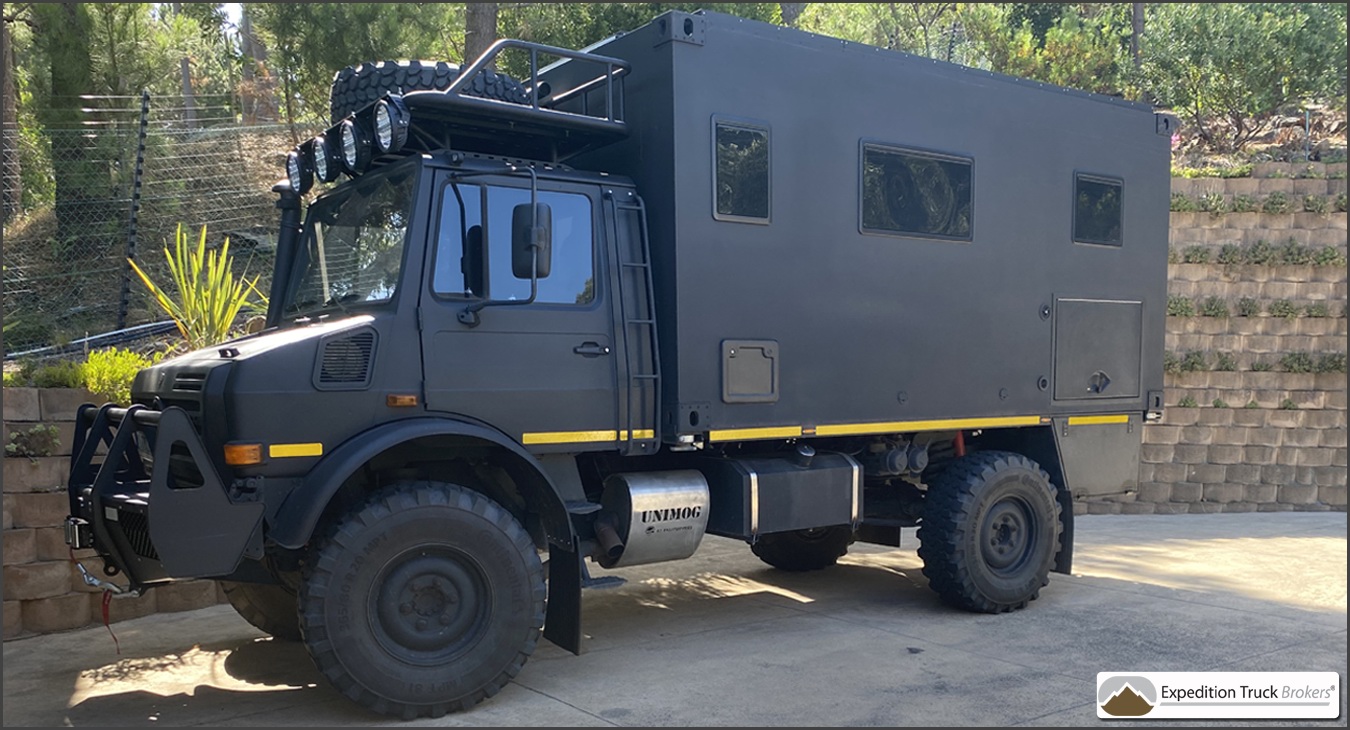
column 1229, row 67
column 1082, row 47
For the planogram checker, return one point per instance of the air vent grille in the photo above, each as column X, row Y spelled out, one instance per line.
column 344, row 362
column 193, row 382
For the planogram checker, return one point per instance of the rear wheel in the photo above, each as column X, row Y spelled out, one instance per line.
column 425, row 601
column 990, row 531
column 270, row 608
column 801, row 550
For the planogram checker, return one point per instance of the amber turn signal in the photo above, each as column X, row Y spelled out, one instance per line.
column 243, row 454
column 400, row 401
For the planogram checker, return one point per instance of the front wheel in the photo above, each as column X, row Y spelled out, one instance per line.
column 426, row 600
column 990, row 532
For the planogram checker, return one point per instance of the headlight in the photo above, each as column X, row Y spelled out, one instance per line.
column 391, row 125
column 355, row 147
column 298, row 173
column 325, row 162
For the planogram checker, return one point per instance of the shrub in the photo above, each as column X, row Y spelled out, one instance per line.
column 1248, row 307
column 1213, row 307
column 1243, row 204
column 1283, row 308
column 1171, row 363
column 1187, row 402
column 63, row 374
column 1251, row 405
column 1261, row 366
column 1339, row 203
column 1297, row 362
column 1276, row 202
column 1288, row 404
column 1331, row 362
column 209, row 298
column 40, row 440
column 1225, row 362
column 1317, row 310
column 1220, row 403
column 1231, row 254
column 1212, row 203
column 1329, row 256
column 1194, row 361
column 12, row 379
column 1294, row 254
column 109, row 372
column 1173, row 256
column 1315, row 204
column 1195, row 255
column 1182, row 203
column 1261, row 253
column 1178, row 306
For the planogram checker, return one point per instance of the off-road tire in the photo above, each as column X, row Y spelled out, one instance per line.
column 273, row 609
column 802, row 550
column 354, row 87
column 426, row 600
column 989, row 532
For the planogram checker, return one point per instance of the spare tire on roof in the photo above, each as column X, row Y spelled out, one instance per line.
column 354, row 87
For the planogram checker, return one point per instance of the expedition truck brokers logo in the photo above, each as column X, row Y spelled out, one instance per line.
column 1219, row 695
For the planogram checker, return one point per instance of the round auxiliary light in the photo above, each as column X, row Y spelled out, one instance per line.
column 391, row 125
column 326, row 164
column 298, row 173
column 355, row 147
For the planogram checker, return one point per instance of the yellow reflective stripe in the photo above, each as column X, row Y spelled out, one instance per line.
column 950, row 424
column 1098, row 420
column 740, row 434
column 582, row 437
column 281, row 451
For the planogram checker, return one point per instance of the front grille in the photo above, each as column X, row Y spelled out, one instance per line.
column 344, row 362
column 136, row 528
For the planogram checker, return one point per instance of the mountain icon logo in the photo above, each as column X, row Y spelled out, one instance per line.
column 1127, row 696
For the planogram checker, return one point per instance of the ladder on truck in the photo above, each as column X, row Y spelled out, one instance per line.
column 640, row 397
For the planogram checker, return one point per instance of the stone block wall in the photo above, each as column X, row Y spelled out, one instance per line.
column 43, row 590
column 1257, row 437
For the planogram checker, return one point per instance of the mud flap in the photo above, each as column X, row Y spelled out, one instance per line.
column 562, row 620
column 196, row 529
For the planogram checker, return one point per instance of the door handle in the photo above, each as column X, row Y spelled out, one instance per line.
column 591, row 349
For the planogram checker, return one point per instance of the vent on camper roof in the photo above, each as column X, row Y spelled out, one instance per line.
column 344, row 361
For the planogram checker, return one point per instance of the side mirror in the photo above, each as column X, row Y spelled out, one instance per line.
column 531, row 232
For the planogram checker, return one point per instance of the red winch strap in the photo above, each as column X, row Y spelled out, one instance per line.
column 107, row 600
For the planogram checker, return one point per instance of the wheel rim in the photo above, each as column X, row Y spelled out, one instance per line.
column 1007, row 539
column 430, row 605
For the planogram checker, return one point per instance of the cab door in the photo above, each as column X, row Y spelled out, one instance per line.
column 542, row 372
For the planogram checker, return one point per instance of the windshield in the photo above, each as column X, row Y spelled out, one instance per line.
column 352, row 245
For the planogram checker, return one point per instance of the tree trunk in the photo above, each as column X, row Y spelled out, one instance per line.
column 791, row 12
column 82, row 188
column 258, row 90
column 480, row 29
column 185, row 71
column 12, row 197
column 1137, row 20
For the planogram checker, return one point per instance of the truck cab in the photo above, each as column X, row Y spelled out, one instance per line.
column 586, row 318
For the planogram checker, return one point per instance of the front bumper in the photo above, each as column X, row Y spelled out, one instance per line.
column 170, row 519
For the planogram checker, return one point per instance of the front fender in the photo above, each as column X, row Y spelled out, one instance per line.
column 299, row 515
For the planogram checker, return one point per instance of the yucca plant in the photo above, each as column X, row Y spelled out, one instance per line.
column 209, row 297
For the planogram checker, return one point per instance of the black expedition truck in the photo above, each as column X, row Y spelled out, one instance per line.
column 708, row 276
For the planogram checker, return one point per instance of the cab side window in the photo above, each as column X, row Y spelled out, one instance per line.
column 473, row 256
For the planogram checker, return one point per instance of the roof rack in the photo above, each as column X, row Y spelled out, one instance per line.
column 552, row 126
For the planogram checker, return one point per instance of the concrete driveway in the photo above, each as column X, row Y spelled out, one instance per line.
column 722, row 639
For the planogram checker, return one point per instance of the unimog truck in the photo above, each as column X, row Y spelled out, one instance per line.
column 710, row 276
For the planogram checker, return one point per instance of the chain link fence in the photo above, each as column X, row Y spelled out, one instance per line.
column 86, row 208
